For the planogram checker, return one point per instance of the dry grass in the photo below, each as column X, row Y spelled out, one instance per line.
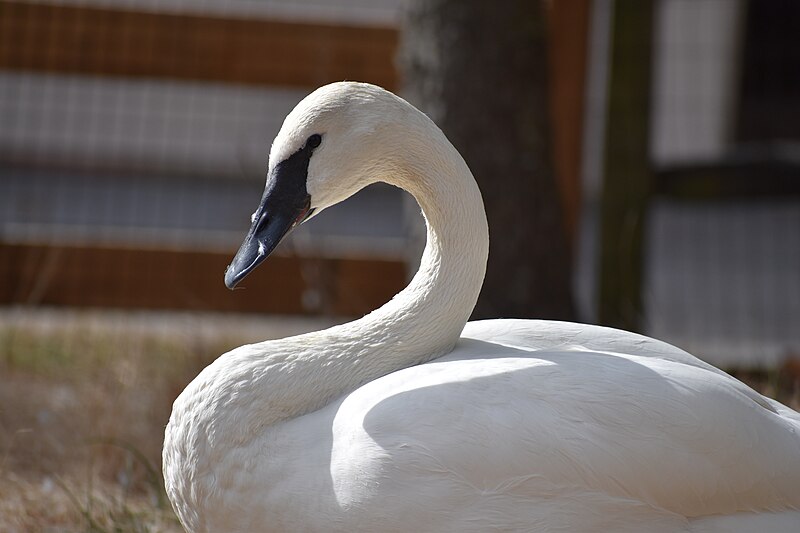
column 81, row 428
column 82, row 413
column 93, row 505
column 783, row 383
column 84, row 399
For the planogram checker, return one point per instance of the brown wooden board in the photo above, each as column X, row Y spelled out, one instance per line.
column 91, row 276
column 569, row 34
column 114, row 42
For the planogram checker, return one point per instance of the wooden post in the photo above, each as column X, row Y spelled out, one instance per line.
column 568, row 40
column 627, row 176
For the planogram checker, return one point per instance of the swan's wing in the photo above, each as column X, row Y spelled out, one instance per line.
column 556, row 335
column 548, row 335
column 601, row 429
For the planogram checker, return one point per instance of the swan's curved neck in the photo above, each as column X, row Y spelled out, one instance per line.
column 424, row 320
column 278, row 380
column 427, row 317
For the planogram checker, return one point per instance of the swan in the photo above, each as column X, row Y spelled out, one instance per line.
column 412, row 419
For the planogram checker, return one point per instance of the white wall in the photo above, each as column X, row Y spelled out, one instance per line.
column 695, row 78
column 140, row 124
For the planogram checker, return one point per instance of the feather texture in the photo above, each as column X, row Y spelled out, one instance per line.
column 410, row 420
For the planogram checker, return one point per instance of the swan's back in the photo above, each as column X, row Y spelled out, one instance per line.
column 635, row 424
column 542, row 426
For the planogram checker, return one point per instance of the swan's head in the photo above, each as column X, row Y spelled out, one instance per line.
column 337, row 140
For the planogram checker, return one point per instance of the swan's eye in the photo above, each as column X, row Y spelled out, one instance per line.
column 314, row 141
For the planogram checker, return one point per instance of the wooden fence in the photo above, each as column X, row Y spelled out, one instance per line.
column 123, row 44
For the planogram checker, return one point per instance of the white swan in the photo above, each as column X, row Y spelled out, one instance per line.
column 510, row 425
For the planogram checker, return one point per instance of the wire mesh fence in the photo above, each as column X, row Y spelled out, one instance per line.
column 724, row 226
column 134, row 137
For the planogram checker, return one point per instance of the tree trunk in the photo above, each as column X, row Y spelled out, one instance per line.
column 479, row 70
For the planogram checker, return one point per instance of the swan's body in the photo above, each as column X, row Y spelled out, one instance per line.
column 510, row 425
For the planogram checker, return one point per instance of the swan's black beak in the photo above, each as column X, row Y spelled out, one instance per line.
column 284, row 205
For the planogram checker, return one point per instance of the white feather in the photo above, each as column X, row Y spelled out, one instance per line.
column 401, row 421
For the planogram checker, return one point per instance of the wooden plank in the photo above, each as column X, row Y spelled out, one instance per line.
column 627, row 180
column 106, row 277
column 114, row 42
column 735, row 178
column 568, row 35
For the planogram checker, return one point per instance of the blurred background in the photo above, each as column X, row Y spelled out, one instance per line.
column 640, row 164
